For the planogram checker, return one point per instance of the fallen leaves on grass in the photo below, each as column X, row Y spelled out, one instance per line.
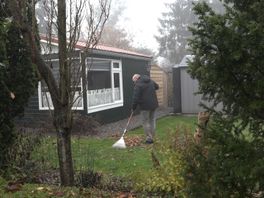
column 130, row 141
column 133, row 141
column 50, row 191
column 13, row 186
column 58, row 194
column 125, row 195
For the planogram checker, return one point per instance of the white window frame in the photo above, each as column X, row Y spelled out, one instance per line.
column 51, row 107
column 116, row 103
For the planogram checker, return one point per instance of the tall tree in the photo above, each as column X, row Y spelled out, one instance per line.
column 173, row 31
column 17, row 79
column 228, row 62
column 67, row 32
column 113, row 34
column 228, row 57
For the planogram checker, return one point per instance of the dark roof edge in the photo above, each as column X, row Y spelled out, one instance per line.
column 119, row 54
column 100, row 52
column 106, row 50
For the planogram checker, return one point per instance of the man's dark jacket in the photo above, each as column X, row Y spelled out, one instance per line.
column 145, row 94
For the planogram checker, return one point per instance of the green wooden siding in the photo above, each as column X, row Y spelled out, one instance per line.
column 35, row 117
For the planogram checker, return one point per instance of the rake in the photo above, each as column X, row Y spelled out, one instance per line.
column 121, row 142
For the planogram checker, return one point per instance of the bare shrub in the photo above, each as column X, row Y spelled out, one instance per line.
column 84, row 125
column 19, row 155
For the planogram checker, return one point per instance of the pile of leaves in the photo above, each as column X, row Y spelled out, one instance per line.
column 131, row 141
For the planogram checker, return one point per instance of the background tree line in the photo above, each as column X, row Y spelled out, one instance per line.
column 173, row 29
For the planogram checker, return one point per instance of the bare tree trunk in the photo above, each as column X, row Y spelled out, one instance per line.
column 63, row 129
column 203, row 119
column 62, row 114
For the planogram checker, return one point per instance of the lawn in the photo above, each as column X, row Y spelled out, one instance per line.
column 97, row 154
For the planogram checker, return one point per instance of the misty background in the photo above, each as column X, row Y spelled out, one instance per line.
column 158, row 28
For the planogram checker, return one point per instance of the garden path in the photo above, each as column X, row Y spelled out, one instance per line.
column 119, row 126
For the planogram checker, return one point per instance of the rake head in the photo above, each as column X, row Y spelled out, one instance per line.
column 120, row 143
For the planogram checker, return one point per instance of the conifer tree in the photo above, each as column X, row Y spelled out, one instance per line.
column 173, row 30
column 17, row 78
column 228, row 62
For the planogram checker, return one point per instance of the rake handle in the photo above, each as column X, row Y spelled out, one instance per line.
column 128, row 123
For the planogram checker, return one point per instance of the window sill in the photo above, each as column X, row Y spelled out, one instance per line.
column 105, row 107
column 52, row 108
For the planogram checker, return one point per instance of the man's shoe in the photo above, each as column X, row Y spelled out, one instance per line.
column 149, row 141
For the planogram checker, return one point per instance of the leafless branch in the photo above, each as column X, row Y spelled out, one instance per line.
column 96, row 23
column 76, row 19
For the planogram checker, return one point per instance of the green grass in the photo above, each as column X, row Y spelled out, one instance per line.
column 48, row 191
column 98, row 154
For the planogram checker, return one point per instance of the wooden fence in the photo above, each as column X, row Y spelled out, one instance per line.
column 160, row 77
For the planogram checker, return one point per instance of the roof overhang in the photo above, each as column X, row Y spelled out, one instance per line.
column 101, row 50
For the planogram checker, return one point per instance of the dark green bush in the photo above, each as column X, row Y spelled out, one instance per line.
column 17, row 75
column 228, row 163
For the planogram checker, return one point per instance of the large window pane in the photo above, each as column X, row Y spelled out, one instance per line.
column 46, row 102
column 99, row 80
column 104, row 84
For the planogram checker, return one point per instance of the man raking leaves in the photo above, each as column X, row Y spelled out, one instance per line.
column 145, row 98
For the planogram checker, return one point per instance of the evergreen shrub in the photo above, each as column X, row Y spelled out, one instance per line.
column 228, row 163
column 17, row 75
